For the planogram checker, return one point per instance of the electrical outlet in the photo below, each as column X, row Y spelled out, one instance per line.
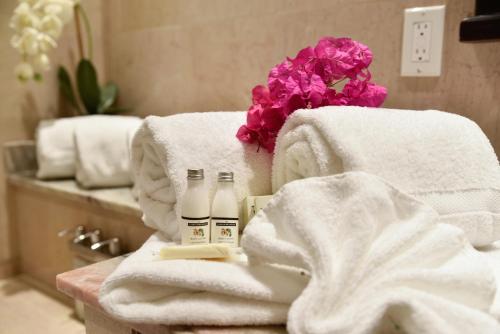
column 423, row 41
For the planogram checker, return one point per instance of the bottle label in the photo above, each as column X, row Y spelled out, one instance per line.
column 195, row 230
column 225, row 230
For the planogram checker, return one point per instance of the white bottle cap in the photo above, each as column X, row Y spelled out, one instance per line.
column 225, row 177
column 195, row 174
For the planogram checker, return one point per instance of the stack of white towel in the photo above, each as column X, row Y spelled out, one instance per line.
column 338, row 254
column 93, row 149
column 352, row 253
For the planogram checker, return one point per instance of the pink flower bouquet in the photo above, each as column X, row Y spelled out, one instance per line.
column 312, row 79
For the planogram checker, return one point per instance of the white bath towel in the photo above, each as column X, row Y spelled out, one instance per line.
column 102, row 142
column 144, row 289
column 165, row 147
column 103, row 151
column 55, row 148
column 442, row 159
column 379, row 261
column 350, row 253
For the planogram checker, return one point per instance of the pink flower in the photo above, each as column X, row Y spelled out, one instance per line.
column 352, row 56
column 277, row 79
column 260, row 95
column 245, row 134
column 364, row 93
column 254, row 117
column 308, row 81
column 273, row 119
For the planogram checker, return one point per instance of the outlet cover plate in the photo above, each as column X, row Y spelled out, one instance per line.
column 422, row 41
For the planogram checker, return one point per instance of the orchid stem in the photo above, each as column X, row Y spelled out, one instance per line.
column 78, row 32
column 88, row 30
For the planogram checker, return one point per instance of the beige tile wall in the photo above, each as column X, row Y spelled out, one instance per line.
column 172, row 56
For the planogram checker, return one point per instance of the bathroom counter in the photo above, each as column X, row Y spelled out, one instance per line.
column 116, row 199
column 40, row 210
column 83, row 284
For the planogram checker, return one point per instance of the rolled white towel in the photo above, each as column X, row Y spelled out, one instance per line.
column 378, row 260
column 145, row 289
column 442, row 159
column 165, row 147
column 103, row 151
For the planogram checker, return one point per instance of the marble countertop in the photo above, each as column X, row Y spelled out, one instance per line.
column 20, row 163
column 83, row 284
column 117, row 199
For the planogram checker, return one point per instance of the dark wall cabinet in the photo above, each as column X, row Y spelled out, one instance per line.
column 485, row 25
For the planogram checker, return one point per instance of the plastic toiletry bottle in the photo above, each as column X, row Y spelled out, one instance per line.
column 224, row 222
column 195, row 211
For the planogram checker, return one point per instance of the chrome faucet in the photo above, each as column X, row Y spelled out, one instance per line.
column 93, row 236
column 113, row 246
column 77, row 231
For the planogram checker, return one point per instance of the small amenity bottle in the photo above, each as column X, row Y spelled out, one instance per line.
column 224, row 222
column 195, row 211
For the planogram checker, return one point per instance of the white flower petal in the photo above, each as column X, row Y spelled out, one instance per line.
column 27, row 43
column 29, row 2
column 45, row 42
column 24, row 17
column 24, row 71
column 61, row 8
column 41, row 62
column 52, row 26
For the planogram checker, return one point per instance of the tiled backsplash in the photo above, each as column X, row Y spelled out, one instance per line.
column 20, row 157
column 171, row 56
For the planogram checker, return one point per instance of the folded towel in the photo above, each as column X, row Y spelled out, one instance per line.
column 378, row 260
column 103, row 145
column 442, row 159
column 55, row 148
column 103, row 151
column 144, row 289
column 165, row 147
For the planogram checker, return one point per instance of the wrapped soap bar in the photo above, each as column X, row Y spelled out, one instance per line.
column 252, row 205
column 206, row 251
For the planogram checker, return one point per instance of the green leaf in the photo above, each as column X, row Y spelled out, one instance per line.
column 116, row 110
column 66, row 87
column 108, row 97
column 87, row 86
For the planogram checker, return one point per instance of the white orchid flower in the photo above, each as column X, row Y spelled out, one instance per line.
column 29, row 2
column 61, row 8
column 51, row 25
column 37, row 25
column 24, row 17
column 32, row 42
column 45, row 43
column 27, row 42
column 41, row 62
column 24, row 71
